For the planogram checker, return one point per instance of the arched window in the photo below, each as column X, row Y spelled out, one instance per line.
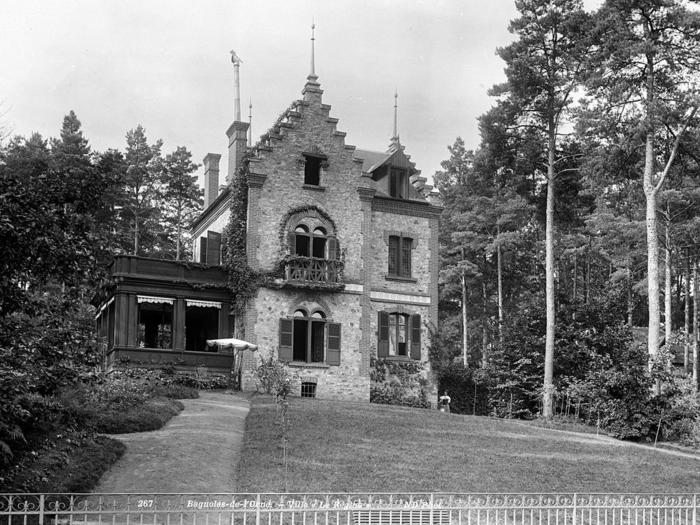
column 309, row 339
column 312, row 244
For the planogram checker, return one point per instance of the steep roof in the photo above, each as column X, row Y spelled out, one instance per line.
column 372, row 159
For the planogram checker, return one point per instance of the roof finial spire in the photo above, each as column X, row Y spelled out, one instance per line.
column 250, row 123
column 313, row 58
column 236, row 86
column 395, row 137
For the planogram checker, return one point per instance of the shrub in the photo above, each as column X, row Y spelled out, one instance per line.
column 118, row 394
column 680, row 416
column 398, row 383
column 142, row 418
column 175, row 391
column 274, row 377
column 396, row 395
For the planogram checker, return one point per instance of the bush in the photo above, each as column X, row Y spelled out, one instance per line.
column 152, row 415
column 396, row 395
column 274, row 377
column 175, row 391
column 42, row 348
column 398, row 383
column 63, row 464
column 680, row 418
column 117, row 394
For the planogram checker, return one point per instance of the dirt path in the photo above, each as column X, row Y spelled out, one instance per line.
column 196, row 451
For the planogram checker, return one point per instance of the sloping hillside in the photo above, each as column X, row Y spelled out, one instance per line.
column 354, row 447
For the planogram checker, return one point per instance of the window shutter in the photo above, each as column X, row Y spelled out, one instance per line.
column 415, row 336
column 291, row 240
column 332, row 248
column 333, row 345
column 383, row 335
column 213, row 247
column 286, row 352
column 203, row 250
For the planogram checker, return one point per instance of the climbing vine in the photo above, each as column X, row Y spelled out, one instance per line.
column 242, row 279
column 398, row 382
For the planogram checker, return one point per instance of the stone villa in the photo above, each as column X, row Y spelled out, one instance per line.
column 347, row 238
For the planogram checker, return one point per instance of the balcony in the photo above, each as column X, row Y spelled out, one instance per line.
column 313, row 271
column 164, row 270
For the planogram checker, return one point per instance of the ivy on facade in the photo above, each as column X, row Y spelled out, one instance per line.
column 242, row 279
column 398, row 382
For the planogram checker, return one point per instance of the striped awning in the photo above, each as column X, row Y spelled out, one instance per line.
column 151, row 299
column 203, row 304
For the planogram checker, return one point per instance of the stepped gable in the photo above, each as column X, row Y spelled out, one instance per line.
column 310, row 107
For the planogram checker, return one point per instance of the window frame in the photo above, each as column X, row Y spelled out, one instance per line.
column 161, row 331
column 313, row 169
column 330, row 251
column 400, row 264
column 331, row 339
column 413, row 329
column 398, row 183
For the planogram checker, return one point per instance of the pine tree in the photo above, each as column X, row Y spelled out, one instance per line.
column 645, row 66
column 543, row 68
column 181, row 197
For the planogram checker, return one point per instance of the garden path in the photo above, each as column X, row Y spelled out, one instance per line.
column 196, row 451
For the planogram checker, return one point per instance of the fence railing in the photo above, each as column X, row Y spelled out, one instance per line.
column 350, row 509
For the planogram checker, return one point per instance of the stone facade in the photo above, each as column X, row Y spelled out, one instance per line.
column 360, row 210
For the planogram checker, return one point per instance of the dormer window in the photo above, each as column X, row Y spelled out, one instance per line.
column 398, row 183
column 312, row 170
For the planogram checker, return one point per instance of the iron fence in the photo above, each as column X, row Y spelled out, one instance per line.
column 349, row 509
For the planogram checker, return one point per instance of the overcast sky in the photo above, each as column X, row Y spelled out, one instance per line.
column 166, row 65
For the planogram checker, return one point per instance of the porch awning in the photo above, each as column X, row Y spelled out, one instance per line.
column 236, row 344
column 150, row 299
column 203, row 304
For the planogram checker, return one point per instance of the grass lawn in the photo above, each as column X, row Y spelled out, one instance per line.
column 356, row 447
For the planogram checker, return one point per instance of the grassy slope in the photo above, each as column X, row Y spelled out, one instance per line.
column 351, row 447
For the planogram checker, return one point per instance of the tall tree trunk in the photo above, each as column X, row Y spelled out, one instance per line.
column 465, row 339
column 652, row 252
column 499, row 271
column 548, row 386
column 179, row 233
column 696, row 307
column 588, row 272
column 686, row 353
column 484, row 328
column 136, row 234
column 668, row 293
column 575, row 287
column 630, row 304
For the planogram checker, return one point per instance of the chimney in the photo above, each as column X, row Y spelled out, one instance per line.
column 211, row 178
column 238, row 132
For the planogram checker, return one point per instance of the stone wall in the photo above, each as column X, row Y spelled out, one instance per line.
column 333, row 382
column 284, row 190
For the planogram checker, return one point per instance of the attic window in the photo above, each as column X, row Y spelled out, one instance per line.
column 312, row 170
column 398, row 183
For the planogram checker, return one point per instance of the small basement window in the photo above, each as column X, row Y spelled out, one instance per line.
column 308, row 389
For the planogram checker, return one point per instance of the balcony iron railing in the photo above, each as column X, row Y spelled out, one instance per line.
column 313, row 270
